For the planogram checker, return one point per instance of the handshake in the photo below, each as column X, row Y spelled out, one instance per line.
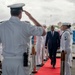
column 28, row 14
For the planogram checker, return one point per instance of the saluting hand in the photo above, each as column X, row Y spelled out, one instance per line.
column 28, row 14
column 34, row 20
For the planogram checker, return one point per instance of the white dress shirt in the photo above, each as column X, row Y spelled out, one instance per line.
column 52, row 32
column 15, row 34
column 66, row 41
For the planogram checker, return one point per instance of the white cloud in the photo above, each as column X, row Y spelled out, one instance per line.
column 61, row 10
column 73, row 1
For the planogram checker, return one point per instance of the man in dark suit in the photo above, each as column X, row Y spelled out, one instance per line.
column 53, row 43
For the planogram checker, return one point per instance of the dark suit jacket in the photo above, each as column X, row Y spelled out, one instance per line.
column 52, row 41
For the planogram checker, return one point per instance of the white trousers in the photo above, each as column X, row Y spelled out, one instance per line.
column 38, row 55
column 67, row 65
column 14, row 67
column 45, row 53
column 70, row 60
column 38, row 58
column 33, row 62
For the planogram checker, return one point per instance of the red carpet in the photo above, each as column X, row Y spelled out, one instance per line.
column 48, row 70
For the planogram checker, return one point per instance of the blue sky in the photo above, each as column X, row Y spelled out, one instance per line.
column 45, row 11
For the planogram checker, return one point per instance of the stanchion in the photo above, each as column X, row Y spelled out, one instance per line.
column 34, row 59
column 0, row 68
column 62, row 63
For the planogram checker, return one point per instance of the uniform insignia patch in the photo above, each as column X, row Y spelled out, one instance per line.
column 65, row 38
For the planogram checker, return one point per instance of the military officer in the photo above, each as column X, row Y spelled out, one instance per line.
column 66, row 46
column 39, row 50
column 14, row 36
column 71, row 35
column 45, row 52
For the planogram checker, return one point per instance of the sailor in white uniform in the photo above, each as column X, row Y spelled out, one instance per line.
column 14, row 36
column 61, row 30
column 71, row 35
column 45, row 51
column 39, row 50
column 66, row 46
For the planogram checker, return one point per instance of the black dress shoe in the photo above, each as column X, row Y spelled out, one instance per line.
column 54, row 66
column 40, row 65
column 51, row 63
column 45, row 59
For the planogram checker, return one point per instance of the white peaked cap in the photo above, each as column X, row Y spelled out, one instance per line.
column 18, row 5
column 66, row 24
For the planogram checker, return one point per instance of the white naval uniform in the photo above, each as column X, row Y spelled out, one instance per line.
column 61, row 32
column 66, row 45
column 38, row 50
column 71, row 35
column 14, row 36
column 44, row 50
column 30, row 57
